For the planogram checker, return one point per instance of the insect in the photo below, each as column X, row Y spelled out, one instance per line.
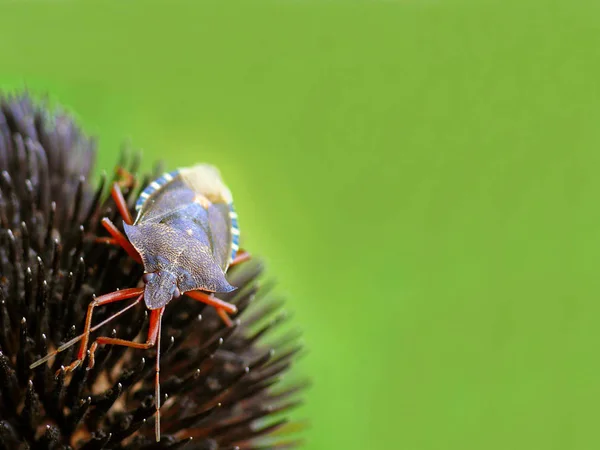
column 186, row 236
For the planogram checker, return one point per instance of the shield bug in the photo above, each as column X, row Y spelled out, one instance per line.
column 186, row 235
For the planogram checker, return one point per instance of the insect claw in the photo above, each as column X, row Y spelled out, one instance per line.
column 224, row 317
column 91, row 360
column 71, row 367
column 127, row 178
column 242, row 256
column 106, row 240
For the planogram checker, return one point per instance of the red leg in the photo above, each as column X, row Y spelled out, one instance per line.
column 212, row 301
column 121, row 239
column 106, row 240
column 102, row 300
column 129, row 179
column 222, row 307
column 224, row 317
column 117, row 196
column 153, row 330
column 157, row 382
column 152, row 339
column 75, row 340
column 242, row 256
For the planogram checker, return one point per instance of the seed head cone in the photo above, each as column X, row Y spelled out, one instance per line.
column 221, row 387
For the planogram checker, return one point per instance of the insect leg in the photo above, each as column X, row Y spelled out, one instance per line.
column 224, row 317
column 157, row 381
column 102, row 300
column 106, row 240
column 128, row 178
column 222, row 307
column 117, row 196
column 212, row 301
column 152, row 339
column 242, row 256
column 120, row 239
column 155, row 317
column 75, row 340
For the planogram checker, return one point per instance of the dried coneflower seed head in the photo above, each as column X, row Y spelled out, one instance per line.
column 221, row 386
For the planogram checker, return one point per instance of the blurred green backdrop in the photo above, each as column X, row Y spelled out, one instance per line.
column 421, row 176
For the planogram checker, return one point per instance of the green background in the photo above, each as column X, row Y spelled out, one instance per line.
column 421, row 177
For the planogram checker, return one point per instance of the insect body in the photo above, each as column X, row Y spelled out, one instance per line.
column 186, row 236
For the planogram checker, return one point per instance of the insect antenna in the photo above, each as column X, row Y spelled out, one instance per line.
column 76, row 339
column 157, row 385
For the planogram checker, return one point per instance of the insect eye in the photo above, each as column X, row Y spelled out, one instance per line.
column 147, row 277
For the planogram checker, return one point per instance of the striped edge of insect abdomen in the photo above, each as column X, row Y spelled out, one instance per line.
column 153, row 187
column 235, row 231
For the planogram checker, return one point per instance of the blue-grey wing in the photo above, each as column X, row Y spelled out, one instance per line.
column 183, row 203
column 220, row 230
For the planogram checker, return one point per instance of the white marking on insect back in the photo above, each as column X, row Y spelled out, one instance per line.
column 168, row 177
column 202, row 201
column 233, row 214
column 235, row 246
column 206, row 180
column 155, row 185
column 235, row 231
